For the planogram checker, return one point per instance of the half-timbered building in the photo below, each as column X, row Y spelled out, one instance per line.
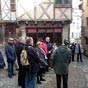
column 36, row 18
column 7, row 19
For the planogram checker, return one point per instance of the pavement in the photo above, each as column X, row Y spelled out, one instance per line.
column 78, row 76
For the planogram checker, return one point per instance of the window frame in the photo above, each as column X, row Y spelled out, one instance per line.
column 58, row 3
column 63, row 4
column 12, row 5
column 12, row 1
column 72, row 34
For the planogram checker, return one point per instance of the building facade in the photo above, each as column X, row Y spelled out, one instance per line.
column 36, row 18
column 75, row 26
column 85, row 26
column 7, row 19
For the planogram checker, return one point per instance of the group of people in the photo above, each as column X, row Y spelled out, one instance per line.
column 38, row 58
column 42, row 57
column 77, row 49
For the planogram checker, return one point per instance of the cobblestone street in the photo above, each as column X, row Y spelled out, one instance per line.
column 78, row 77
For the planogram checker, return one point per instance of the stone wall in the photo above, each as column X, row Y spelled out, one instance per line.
column 66, row 32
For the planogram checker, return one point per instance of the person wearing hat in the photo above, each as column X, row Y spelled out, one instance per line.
column 11, row 56
column 61, row 60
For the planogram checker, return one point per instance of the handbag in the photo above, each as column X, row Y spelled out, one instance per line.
column 44, row 62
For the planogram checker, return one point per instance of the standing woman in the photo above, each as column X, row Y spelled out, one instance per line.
column 41, row 54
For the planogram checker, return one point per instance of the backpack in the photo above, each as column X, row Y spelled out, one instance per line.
column 24, row 58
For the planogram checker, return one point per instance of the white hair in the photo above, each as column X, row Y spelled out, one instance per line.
column 21, row 39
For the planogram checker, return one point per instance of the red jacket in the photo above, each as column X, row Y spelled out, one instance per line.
column 44, row 47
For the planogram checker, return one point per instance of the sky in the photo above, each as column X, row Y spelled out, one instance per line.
column 75, row 3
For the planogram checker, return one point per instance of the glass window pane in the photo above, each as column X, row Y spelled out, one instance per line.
column 12, row 1
column 58, row 1
column 72, row 35
column 66, row 2
column 13, row 7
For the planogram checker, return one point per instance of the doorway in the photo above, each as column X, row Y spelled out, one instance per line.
column 55, row 34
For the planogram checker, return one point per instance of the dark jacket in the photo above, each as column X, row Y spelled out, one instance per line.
column 21, row 72
column 33, row 58
column 19, row 48
column 73, row 48
column 61, row 60
column 10, row 52
column 49, row 46
column 41, row 55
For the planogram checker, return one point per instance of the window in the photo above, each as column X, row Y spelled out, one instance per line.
column 12, row 5
column 77, row 26
column 12, row 1
column 80, row 6
column 72, row 34
column 78, row 18
column 66, row 2
column 73, row 24
column 63, row 1
column 87, row 21
column 58, row 1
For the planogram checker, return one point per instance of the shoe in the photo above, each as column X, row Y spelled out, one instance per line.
column 13, row 74
column 39, row 82
column 43, row 75
column 17, row 69
column 42, row 79
column 10, row 76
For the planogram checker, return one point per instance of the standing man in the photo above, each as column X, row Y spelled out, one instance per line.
column 61, row 60
column 15, row 42
column 49, row 48
column 11, row 56
column 31, row 72
column 21, row 72
column 79, row 51
column 73, row 50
